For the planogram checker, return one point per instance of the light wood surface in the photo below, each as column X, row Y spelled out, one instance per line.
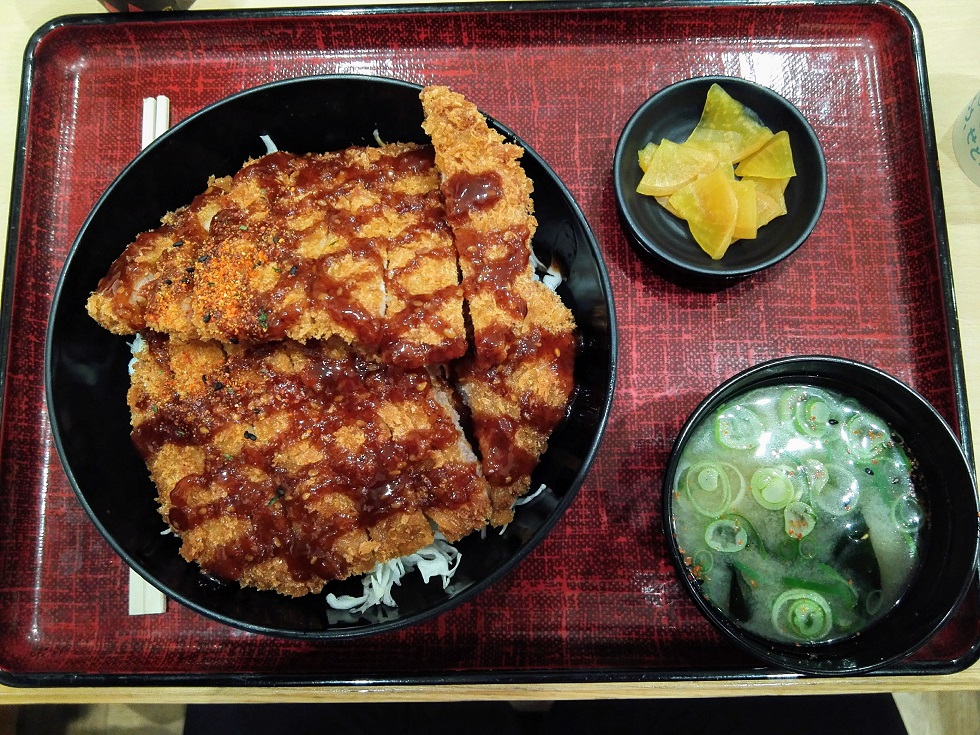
column 953, row 59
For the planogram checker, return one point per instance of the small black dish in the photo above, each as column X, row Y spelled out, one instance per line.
column 944, row 480
column 86, row 366
column 665, row 240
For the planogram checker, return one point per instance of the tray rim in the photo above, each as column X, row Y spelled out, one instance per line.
column 498, row 676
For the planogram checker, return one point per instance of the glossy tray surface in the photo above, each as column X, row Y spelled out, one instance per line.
column 598, row 598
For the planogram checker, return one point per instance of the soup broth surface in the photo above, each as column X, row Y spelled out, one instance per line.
column 796, row 510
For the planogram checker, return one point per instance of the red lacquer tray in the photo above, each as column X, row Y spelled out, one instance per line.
column 598, row 599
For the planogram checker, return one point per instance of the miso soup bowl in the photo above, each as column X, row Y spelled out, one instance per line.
column 948, row 542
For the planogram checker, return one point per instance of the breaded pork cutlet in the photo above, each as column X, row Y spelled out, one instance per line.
column 286, row 465
column 514, row 406
column 352, row 244
column 519, row 378
column 488, row 204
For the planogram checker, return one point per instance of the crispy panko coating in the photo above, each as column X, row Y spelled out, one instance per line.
column 305, row 350
column 518, row 381
column 287, row 465
column 351, row 244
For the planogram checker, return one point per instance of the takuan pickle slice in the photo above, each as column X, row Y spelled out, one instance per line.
column 710, row 207
column 774, row 160
column 672, row 166
column 728, row 128
column 728, row 142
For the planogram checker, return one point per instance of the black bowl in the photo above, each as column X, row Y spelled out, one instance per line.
column 945, row 483
column 86, row 375
column 665, row 240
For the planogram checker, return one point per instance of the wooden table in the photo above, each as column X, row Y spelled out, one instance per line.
column 953, row 60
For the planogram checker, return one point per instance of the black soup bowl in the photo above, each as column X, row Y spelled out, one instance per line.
column 86, row 366
column 793, row 525
column 664, row 240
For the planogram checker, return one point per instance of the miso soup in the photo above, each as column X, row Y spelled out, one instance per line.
column 796, row 510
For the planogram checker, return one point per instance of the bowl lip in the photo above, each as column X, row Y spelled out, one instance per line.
column 356, row 630
column 688, row 268
column 794, row 657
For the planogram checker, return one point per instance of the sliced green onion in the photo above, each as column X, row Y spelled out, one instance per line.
column 753, row 537
column 816, row 475
column 840, row 492
column 872, row 603
column 726, row 535
column 809, row 548
column 775, row 487
column 802, row 614
column 739, row 427
column 866, row 436
column 798, row 520
column 907, row 513
column 702, row 562
column 812, row 415
column 708, row 485
column 826, row 580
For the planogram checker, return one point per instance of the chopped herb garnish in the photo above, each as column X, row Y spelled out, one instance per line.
column 264, row 319
column 242, row 227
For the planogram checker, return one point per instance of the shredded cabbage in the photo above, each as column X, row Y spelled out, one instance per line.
column 270, row 146
column 135, row 347
column 549, row 275
column 438, row 559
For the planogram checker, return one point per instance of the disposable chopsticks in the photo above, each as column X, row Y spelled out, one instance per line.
column 144, row 598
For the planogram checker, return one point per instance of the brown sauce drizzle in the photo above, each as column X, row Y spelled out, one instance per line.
column 246, row 239
column 502, row 459
column 468, row 192
column 381, row 478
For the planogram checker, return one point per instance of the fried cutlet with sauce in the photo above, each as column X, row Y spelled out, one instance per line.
column 519, row 378
column 286, row 465
column 514, row 406
column 488, row 203
column 352, row 244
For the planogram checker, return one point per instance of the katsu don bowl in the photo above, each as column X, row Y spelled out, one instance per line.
column 268, row 391
column 821, row 514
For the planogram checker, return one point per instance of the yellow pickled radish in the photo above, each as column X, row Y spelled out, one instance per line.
column 728, row 128
column 747, row 219
column 710, row 207
column 770, row 205
column 645, row 154
column 672, row 166
column 770, row 186
column 774, row 160
column 730, row 144
column 665, row 203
